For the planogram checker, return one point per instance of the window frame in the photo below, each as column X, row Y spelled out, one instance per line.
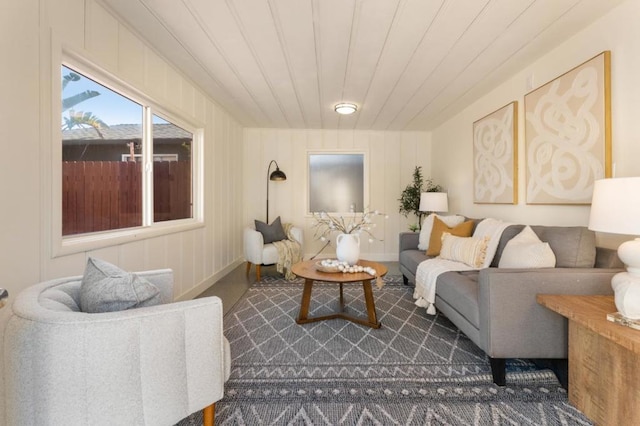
column 365, row 176
column 64, row 245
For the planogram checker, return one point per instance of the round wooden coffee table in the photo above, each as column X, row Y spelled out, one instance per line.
column 308, row 271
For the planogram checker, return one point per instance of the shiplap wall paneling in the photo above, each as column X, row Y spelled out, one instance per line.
column 252, row 157
column 392, row 157
column 64, row 16
column 196, row 255
column 155, row 71
column 173, row 88
column 391, row 184
column 378, row 194
column 72, row 264
column 101, row 36
column 209, row 176
column 286, row 191
column 174, row 260
column 131, row 57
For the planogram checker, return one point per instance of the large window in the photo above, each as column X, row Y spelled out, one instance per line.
column 124, row 164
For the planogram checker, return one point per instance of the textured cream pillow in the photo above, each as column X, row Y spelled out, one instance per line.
column 467, row 250
column 525, row 250
column 427, row 226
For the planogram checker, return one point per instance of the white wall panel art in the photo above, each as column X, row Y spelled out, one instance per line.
column 568, row 134
column 495, row 148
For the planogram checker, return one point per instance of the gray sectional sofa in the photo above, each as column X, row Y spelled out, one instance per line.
column 497, row 309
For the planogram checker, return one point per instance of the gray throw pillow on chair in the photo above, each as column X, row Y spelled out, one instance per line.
column 271, row 233
column 107, row 288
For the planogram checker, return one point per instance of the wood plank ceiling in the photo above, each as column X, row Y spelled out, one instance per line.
column 406, row 64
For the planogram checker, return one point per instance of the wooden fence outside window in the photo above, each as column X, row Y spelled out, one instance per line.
column 107, row 195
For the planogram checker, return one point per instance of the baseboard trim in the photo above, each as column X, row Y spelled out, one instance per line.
column 198, row 289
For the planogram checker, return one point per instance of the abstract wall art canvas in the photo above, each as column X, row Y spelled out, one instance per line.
column 495, row 153
column 568, row 134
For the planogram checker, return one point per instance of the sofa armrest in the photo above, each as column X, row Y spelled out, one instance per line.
column 409, row 240
column 513, row 324
column 163, row 279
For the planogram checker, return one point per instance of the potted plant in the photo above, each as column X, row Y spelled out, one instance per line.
column 410, row 197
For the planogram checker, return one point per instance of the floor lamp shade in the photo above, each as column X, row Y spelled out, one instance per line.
column 615, row 208
column 277, row 175
column 433, row 202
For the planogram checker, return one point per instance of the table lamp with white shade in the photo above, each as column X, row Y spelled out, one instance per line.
column 615, row 208
column 432, row 202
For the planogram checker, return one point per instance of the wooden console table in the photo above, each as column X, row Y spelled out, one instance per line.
column 604, row 359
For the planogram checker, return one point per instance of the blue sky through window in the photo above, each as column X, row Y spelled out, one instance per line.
column 110, row 107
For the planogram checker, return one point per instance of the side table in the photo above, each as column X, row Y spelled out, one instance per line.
column 604, row 359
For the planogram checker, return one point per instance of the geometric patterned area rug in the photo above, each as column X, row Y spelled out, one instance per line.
column 416, row 369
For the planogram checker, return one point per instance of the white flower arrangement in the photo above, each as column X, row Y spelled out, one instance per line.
column 356, row 223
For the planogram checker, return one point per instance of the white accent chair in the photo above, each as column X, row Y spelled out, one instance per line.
column 147, row 366
column 256, row 252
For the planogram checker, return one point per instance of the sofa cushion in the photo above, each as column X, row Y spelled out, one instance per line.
column 427, row 226
column 271, row 233
column 410, row 259
column 468, row 250
column 608, row 258
column 460, row 291
column 107, row 288
column 573, row 246
column 525, row 250
column 63, row 297
column 439, row 227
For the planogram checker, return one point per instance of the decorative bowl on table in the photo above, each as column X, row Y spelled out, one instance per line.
column 328, row 265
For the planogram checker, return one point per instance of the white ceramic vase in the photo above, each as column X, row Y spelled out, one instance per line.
column 348, row 248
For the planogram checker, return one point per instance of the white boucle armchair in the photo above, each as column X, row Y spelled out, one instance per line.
column 256, row 252
column 147, row 366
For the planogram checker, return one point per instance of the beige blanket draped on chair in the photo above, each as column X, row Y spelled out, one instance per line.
column 289, row 253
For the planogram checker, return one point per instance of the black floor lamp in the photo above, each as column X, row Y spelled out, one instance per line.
column 277, row 174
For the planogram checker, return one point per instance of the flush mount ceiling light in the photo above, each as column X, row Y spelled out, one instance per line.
column 345, row 108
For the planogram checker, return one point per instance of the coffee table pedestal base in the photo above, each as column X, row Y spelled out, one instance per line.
column 370, row 321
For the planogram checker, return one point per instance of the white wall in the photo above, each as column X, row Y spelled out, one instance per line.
column 392, row 159
column 31, row 39
column 618, row 32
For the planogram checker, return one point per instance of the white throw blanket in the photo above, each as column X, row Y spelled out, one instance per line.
column 426, row 277
column 429, row 270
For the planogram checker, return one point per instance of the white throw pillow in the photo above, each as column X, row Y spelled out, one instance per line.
column 468, row 250
column 525, row 250
column 427, row 226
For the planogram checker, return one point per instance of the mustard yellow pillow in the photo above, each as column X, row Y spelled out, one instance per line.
column 439, row 227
